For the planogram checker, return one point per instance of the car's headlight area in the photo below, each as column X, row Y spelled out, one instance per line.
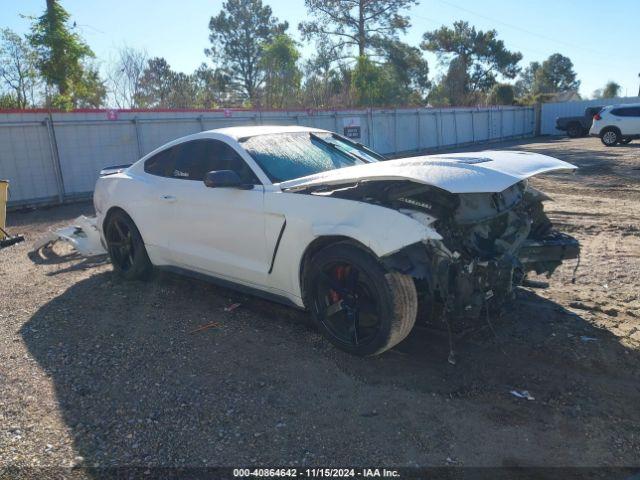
column 420, row 217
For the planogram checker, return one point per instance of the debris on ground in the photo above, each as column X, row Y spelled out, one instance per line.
column 522, row 394
column 206, row 326
column 586, row 339
column 232, row 307
column 82, row 235
column 7, row 240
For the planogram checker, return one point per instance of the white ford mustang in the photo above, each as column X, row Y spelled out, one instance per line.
column 312, row 219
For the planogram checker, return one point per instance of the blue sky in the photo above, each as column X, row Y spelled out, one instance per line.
column 601, row 38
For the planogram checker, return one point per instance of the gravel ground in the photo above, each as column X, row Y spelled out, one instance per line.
column 95, row 371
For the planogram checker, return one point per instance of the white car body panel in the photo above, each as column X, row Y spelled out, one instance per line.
column 241, row 236
column 208, row 239
column 380, row 229
column 476, row 172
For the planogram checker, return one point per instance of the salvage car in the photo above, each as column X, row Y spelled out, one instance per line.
column 315, row 220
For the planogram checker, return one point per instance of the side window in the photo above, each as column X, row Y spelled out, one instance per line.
column 626, row 112
column 160, row 164
column 194, row 159
column 190, row 161
column 224, row 157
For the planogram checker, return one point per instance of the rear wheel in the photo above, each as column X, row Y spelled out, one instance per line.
column 574, row 130
column 358, row 305
column 610, row 137
column 126, row 248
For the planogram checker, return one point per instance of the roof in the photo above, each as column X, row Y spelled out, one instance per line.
column 253, row 130
column 567, row 96
column 618, row 105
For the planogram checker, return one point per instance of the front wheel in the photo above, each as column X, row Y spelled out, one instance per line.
column 610, row 137
column 361, row 307
column 626, row 141
column 126, row 248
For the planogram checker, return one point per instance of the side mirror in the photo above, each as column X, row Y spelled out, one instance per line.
column 225, row 179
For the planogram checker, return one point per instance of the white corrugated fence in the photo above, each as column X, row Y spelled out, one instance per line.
column 52, row 159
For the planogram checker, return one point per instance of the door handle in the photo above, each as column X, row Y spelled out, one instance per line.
column 168, row 198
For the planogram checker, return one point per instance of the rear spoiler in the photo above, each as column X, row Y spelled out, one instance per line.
column 114, row 169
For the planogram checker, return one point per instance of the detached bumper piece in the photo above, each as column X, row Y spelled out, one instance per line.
column 82, row 235
column 544, row 255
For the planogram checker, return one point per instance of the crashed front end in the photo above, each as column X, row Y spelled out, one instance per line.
column 490, row 242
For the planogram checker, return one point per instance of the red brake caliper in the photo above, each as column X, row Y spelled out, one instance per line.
column 339, row 274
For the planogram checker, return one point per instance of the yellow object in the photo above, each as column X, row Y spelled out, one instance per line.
column 4, row 194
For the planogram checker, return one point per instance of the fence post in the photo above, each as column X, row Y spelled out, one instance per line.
column 395, row 131
column 455, row 127
column 473, row 127
column 501, row 123
column 372, row 134
column 438, row 120
column 418, row 130
column 136, row 125
column 537, row 118
column 55, row 157
column 201, row 122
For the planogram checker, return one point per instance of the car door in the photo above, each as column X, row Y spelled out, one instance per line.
column 217, row 231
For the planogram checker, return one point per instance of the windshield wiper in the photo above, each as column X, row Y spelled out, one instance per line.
column 358, row 145
column 334, row 147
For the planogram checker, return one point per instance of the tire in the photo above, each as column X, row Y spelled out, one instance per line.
column 610, row 137
column 626, row 141
column 574, row 130
column 126, row 247
column 360, row 307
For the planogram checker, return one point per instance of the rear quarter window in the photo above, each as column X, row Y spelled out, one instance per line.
column 626, row 112
column 161, row 164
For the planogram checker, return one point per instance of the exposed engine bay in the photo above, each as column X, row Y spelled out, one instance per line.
column 489, row 241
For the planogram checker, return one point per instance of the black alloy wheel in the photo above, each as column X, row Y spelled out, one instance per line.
column 347, row 306
column 126, row 248
column 359, row 305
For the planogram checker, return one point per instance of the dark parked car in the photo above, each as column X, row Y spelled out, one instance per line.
column 577, row 126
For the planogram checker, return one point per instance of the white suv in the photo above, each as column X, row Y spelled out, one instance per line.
column 617, row 124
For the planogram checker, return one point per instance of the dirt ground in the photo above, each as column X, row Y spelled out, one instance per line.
column 97, row 371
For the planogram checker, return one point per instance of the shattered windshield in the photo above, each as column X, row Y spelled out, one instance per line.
column 284, row 156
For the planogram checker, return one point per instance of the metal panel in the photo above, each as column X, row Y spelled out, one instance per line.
column 26, row 161
column 84, row 149
column 551, row 111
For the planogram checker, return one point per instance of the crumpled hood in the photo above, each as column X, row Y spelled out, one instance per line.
column 490, row 171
